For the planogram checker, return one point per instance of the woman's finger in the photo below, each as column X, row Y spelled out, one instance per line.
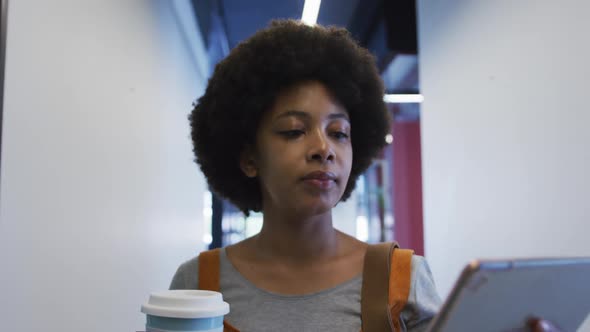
column 541, row 325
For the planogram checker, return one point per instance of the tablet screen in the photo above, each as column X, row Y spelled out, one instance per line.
column 502, row 295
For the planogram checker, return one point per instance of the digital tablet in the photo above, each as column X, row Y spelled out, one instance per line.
column 500, row 296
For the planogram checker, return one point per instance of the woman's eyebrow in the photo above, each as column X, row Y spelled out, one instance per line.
column 294, row 113
column 305, row 115
column 339, row 116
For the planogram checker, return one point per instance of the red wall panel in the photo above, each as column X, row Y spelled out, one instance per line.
column 407, row 186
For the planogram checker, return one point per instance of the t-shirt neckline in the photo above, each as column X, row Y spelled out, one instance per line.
column 225, row 260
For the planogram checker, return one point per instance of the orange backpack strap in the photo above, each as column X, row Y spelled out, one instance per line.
column 400, row 280
column 209, row 270
column 374, row 300
column 209, row 277
column 385, row 268
column 227, row 327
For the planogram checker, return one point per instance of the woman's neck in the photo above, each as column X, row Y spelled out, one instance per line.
column 297, row 238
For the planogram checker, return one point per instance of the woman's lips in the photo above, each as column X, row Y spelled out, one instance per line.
column 321, row 180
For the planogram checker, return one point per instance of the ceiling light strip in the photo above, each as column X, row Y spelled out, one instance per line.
column 311, row 9
column 403, row 98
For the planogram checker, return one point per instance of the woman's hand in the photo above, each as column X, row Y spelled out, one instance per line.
column 541, row 325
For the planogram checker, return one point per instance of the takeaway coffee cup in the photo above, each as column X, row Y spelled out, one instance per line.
column 185, row 310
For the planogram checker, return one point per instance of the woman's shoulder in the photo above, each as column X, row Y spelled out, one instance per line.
column 420, row 268
column 419, row 263
column 423, row 301
column 187, row 275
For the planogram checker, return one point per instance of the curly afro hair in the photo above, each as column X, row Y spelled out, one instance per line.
column 245, row 84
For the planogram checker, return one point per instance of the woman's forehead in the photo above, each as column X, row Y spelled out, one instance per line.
column 306, row 99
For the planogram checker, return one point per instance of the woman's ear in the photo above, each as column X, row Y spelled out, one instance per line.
column 248, row 162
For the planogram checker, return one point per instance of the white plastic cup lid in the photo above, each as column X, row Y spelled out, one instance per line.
column 186, row 303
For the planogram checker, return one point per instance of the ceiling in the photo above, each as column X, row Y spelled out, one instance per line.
column 386, row 27
column 243, row 18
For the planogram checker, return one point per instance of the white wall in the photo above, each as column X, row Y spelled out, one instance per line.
column 100, row 199
column 505, row 130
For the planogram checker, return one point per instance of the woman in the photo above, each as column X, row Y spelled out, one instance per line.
column 288, row 122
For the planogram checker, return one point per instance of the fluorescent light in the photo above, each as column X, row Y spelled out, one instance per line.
column 311, row 9
column 389, row 138
column 398, row 98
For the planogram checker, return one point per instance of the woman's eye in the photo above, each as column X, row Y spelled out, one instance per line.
column 292, row 133
column 340, row 135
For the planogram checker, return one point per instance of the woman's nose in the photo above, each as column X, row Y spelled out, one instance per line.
column 320, row 148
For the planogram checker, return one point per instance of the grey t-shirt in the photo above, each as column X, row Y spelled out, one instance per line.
column 334, row 309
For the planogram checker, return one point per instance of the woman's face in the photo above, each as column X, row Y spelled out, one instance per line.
column 303, row 152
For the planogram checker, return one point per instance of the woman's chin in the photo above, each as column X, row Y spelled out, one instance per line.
column 308, row 206
column 316, row 208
